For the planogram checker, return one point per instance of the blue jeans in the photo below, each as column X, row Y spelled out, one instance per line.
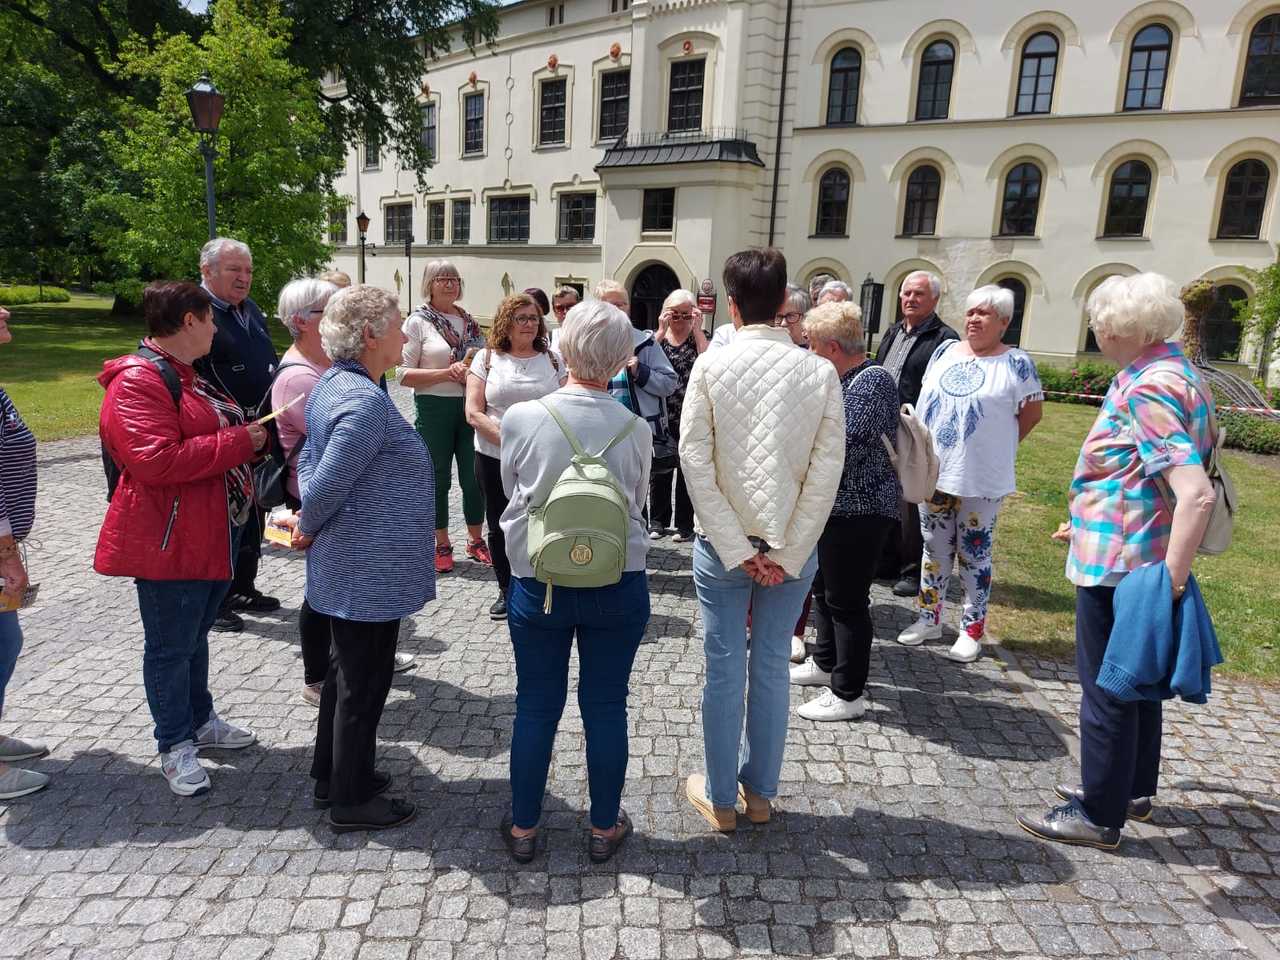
column 176, row 617
column 10, row 647
column 609, row 622
column 724, row 597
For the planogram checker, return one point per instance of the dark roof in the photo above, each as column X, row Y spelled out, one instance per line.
column 656, row 150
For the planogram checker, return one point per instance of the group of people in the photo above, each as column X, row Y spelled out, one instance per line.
column 773, row 438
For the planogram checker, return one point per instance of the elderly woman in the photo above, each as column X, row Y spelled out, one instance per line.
column 518, row 365
column 980, row 398
column 17, row 514
column 835, row 291
column 300, row 307
column 1146, row 450
column 180, row 503
column 864, row 513
column 441, row 339
column 761, row 446
column 608, row 621
column 682, row 339
column 366, row 521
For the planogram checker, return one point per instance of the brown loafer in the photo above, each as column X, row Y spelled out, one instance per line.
column 758, row 808
column 724, row 819
column 600, row 849
column 522, row 849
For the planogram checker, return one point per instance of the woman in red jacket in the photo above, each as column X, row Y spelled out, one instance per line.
column 184, row 490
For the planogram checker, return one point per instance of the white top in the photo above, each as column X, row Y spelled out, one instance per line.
column 510, row 380
column 722, row 336
column 971, row 405
column 427, row 350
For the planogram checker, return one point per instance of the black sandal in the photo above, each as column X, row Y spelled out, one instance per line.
column 601, row 848
column 522, row 849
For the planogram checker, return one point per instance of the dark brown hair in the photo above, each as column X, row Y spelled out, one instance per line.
column 504, row 320
column 540, row 299
column 166, row 302
column 757, row 281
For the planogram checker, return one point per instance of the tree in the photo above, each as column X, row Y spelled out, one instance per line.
column 276, row 161
column 1259, row 318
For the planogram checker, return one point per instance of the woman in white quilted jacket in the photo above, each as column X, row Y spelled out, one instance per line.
column 762, row 451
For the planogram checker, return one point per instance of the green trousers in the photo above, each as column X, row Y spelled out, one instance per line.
column 442, row 424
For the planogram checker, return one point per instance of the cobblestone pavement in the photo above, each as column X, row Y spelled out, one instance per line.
column 895, row 838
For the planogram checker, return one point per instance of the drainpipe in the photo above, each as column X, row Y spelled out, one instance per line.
column 782, row 106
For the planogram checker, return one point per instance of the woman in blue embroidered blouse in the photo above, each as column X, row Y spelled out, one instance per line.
column 864, row 512
column 368, row 512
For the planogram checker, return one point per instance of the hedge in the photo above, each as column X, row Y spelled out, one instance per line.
column 1254, row 434
column 20, row 294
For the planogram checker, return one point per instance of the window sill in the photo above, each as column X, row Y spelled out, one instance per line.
column 1015, row 236
column 842, row 123
column 1123, row 238
column 507, row 243
column 551, row 147
column 474, row 156
column 915, row 236
column 663, row 235
column 564, row 242
column 828, row 236
column 1257, row 239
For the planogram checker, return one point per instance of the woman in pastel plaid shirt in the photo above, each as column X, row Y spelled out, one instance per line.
column 1153, row 431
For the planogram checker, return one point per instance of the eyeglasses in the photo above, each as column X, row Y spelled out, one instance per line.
column 787, row 319
column 527, row 319
column 449, row 280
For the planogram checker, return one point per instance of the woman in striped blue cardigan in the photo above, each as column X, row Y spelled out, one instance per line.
column 367, row 520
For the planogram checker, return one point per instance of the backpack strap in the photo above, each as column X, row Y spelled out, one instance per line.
column 166, row 371
column 573, row 441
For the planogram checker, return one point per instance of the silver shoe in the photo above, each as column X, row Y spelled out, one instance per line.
column 18, row 782
column 11, row 749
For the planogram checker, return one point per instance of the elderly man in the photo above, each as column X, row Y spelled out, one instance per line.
column 816, row 284
column 905, row 351
column 562, row 301
column 834, row 291
column 241, row 362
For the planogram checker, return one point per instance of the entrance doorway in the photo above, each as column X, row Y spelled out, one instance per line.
column 652, row 285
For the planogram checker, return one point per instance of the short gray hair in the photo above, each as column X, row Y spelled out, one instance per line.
column 798, row 298
column 567, row 292
column 935, row 281
column 677, row 297
column 439, row 268
column 350, row 312
column 817, row 282
column 607, row 286
column 300, row 296
column 836, row 286
column 595, row 339
column 216, row 247
column 838, row 322
column 991, row 297
column 1145, row 305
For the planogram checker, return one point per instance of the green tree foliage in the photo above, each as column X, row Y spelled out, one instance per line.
column 275, row 166
column 1260, row 317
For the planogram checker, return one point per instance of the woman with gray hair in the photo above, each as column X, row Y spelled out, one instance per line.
column 980, row 398
column 682, row 339
column 608, row 621
column 366, row 523
column 834, row 291
column 790, row 316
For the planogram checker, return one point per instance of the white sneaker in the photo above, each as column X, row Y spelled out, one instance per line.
column 919, row 632
column 217, row 734
column 965, row 649
column 797, row 650
column 403, row 662
column 311, row 693
column 182, row 769
column 830, row 707
column 809, row 674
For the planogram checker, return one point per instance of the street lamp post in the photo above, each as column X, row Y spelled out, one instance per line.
column 205, row 104
column 408, row 252
column 362, row 224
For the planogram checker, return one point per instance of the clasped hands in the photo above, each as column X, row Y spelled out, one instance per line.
column 764, row 571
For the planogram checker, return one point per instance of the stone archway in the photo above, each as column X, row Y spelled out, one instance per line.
column 650, row 287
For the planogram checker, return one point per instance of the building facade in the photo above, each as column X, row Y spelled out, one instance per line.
column 1043, row 150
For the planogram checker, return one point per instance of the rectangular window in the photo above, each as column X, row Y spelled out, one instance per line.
column 435, row 221
column 509, row 220
column 555, row 14
column 338, row 226
column 577, row 218
column 429, row 129
column 684, row 104
column 397, row 222
column 659, row 213
column 551, row 111
column 616, row 6
column 462, row 221
column 615, row 103
column 372, row 150
column 473, row 130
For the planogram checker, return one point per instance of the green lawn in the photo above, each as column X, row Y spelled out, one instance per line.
column 1033, row 604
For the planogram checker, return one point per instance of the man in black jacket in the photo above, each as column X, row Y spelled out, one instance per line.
column 905, row 352
column 241, row 363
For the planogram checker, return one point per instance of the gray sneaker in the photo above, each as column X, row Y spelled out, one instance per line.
column 181, row 767
column 11, row 749
column 17, row 782
column 217, row 734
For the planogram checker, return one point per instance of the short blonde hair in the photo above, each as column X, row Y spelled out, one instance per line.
column 607, row 286
column 439, row 268
column 678, row 298
column 1145, row 305
column 339, row 278
column 595, row 339
column 838, row 322
column 349, row 313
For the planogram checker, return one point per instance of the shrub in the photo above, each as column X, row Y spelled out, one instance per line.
column 1088, row 377
column 1254, row 434
column 25, row 293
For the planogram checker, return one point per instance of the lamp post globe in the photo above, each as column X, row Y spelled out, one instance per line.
column 205, row 103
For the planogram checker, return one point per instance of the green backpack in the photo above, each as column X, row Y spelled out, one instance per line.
column 578, row 537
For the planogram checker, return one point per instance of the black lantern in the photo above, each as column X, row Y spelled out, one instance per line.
column 362, row 224
column 871, row 300
column 205, row 103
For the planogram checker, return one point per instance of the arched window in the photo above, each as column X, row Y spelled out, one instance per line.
column 1262, row 64
column 1221, row 331
column 1013, row 335
column 1021, row 201
column 833, row 204
column 842, row 92
column 1127, row 200
column 1148, row 68
column 920, row 212
column 933, row 95
column 1035, row 78
column 1244, row 197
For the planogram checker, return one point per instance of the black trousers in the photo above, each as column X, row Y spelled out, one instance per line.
column 314, row 633
column 249, row 553
column 1119, row 741
column 848, row 553
column 488, row 472
column 660, row 499
column 355, row 691
column 910, row 540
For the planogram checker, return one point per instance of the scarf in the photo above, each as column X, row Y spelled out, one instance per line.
column 471, row 338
